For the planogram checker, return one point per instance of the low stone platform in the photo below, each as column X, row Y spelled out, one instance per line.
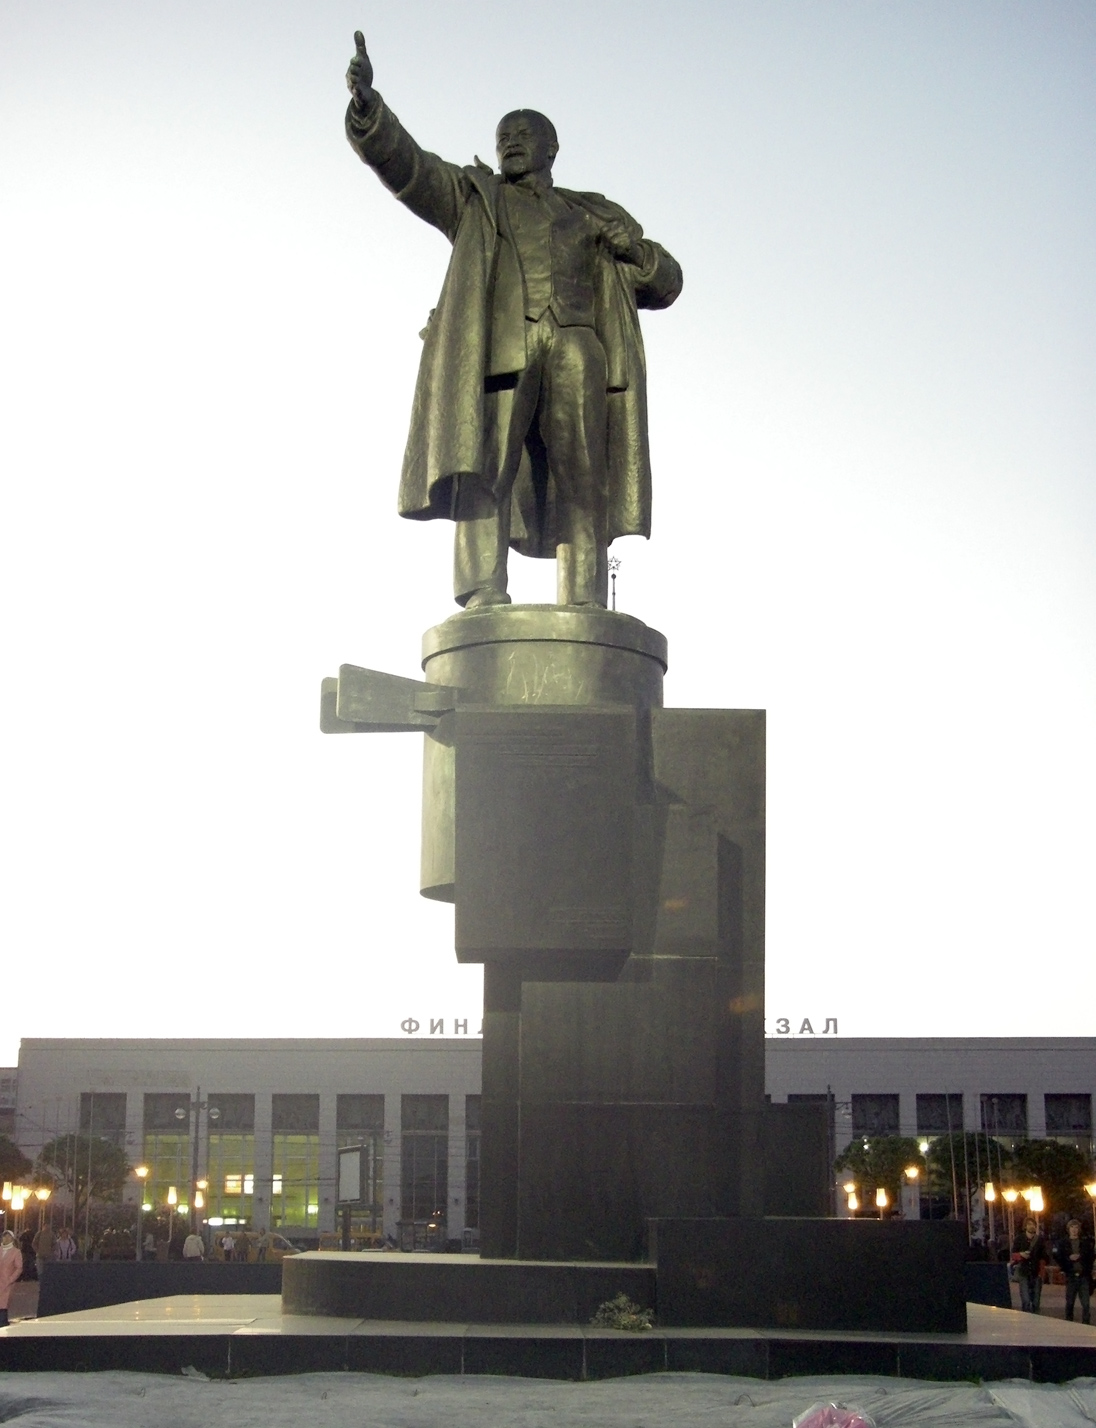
column 248, row 1335
column 898, row 1276
column 458, row 1288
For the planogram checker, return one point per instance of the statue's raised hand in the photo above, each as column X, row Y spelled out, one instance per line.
column 359, row 77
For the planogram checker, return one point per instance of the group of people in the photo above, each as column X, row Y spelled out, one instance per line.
column 16, row 1255
column 231, row 1246
column 1074, row 1254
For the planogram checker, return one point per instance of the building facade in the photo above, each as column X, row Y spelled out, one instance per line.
column 261, row 1122
column 1014, row 1088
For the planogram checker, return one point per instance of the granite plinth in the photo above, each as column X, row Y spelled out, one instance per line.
column 608, row 1104
column 457, row 1288
column 890, row 1275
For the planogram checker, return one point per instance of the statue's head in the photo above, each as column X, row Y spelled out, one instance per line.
column 525, row 142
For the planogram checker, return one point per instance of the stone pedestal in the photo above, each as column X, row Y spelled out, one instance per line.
column 606, row 861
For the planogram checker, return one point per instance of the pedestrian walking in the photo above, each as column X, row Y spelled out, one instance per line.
column 11, row 1269
column 1029, row 1252
column 262, row 1244
column 228, row 1245
column 65, row 1248
column 1075, row 1254
column 193, row 1247
column 150, row 1246
column 42, row 1244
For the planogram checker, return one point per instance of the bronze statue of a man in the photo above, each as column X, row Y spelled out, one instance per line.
column 529, row 424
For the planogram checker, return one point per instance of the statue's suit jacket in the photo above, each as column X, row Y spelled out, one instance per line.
column 477, row 332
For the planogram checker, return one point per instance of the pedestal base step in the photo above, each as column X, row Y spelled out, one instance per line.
column 457, row 1288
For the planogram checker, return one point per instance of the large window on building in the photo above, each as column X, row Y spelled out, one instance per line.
column 1069, row 1118
column 424, row 1160
column 939, row 1114
column 875, row 1114
column 103, row 1113
column 7, row 1105
column 359, row 1120
column 471, row 1162
column 295, row 1197
column 166, row 1147
column 230, row 1197
column 1005, row 1113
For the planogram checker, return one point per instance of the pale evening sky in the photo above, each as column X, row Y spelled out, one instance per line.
column 872, row 426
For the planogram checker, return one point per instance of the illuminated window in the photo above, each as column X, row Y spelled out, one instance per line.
column 231, row 1162
column 295, row 1121
column 166, row 1146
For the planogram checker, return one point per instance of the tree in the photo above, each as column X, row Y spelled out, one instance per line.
column 77, row 1163
column 1059, row 1170
column 974, row 1158
column 14, row 1165
column 879, row 1161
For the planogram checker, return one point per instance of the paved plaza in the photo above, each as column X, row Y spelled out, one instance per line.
column 342, row 1400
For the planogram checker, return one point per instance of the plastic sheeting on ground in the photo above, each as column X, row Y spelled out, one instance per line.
column 348, row 1400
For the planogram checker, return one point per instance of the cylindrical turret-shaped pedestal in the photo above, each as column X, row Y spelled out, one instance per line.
column 533, row 656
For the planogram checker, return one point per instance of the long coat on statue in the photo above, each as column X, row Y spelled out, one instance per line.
column 477, row 333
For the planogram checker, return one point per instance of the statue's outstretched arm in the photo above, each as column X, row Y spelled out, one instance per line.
column 434, row 190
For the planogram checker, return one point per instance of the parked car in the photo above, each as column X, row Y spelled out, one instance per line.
column 359, row 1240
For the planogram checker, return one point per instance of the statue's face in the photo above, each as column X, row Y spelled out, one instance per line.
column 525, row 143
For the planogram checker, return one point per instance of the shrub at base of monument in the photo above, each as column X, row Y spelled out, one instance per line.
column 621, row 1313
column 833, row 1415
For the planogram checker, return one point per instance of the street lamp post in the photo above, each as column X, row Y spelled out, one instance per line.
column 141, row 1172
column 42, row 1194
column 184, row 1113
column 911, row 1193
column 1090, row 1191
column 991, row 1197
column 19, row 1195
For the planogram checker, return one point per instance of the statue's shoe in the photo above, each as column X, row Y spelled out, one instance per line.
column 486, row 596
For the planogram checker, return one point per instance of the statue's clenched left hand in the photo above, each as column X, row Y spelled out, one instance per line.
column 618, row 238
column 359, row 77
